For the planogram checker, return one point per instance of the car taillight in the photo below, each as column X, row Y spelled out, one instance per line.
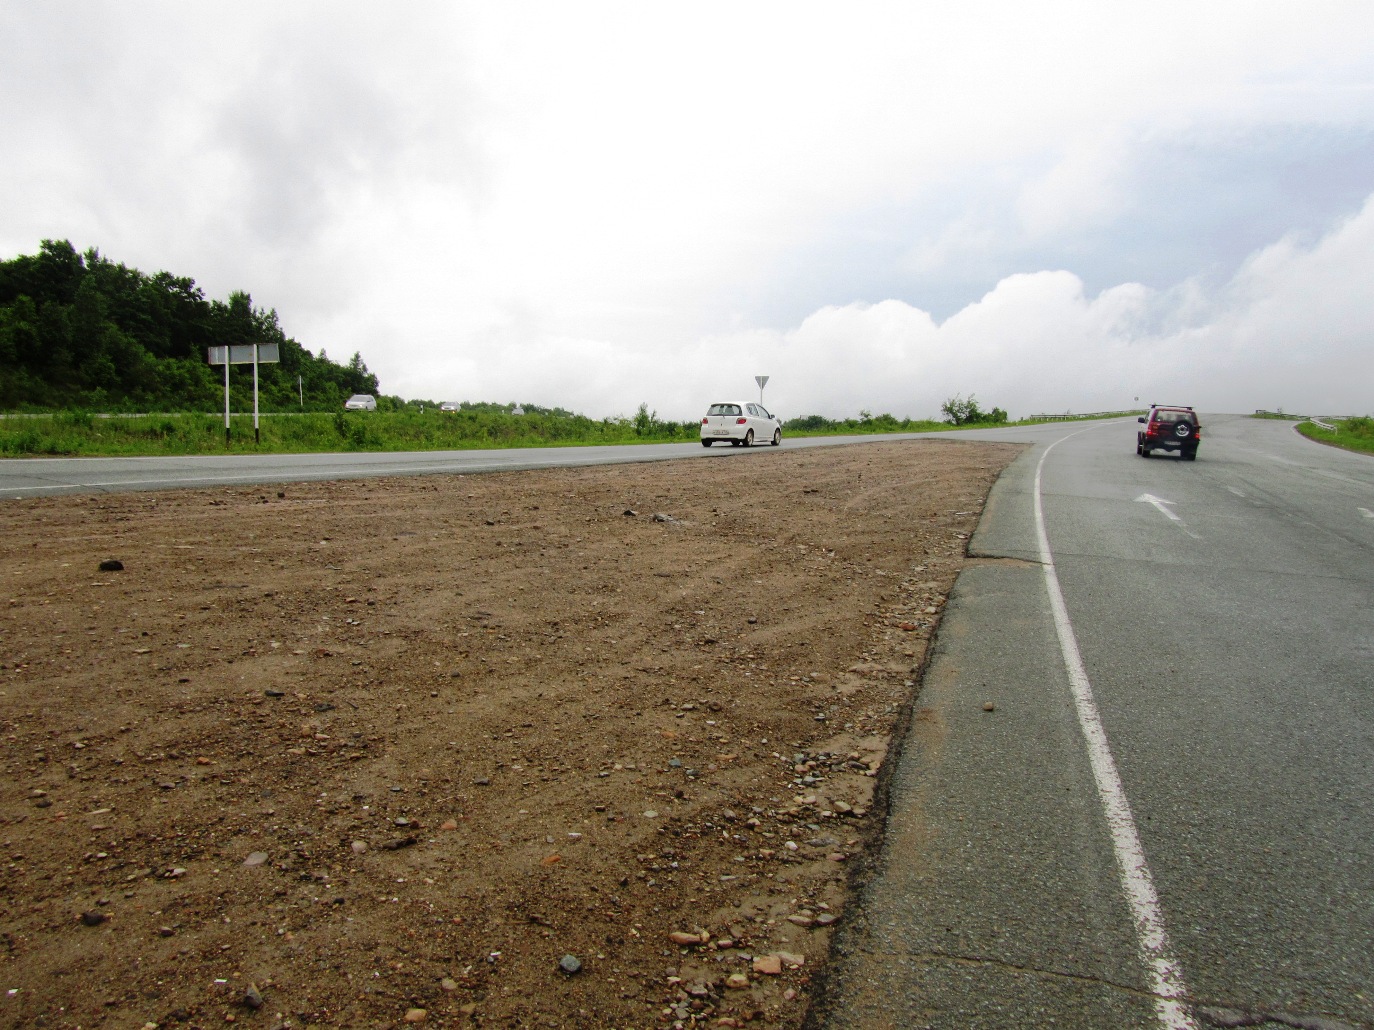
column 741, row 420
column 704, row 421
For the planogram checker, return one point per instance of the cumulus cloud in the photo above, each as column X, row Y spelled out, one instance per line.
column 1288, row 329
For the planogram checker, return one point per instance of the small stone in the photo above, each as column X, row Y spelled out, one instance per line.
column 792, row 959
column 688, row 939
column 827, row 919
column 482, row 781
column 988, row 706
column 93, row 918
column 769, row 965
column 257, row 858
column 165, row 931
column 274, row 693
column 789, row 994
column 570, row 964
column 112, row 565
column 651, row 814
column 736, row 981
column 630, row 513
column 800, row 920
column 359, row 846
column 416, row 1015
column 843, row 807
column 253, row 997
column 448, row 985
column 449, row 824
column 675, row 763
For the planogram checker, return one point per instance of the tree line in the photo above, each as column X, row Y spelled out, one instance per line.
column 78, row 331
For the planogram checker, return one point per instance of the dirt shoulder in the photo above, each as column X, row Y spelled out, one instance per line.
column 356, row 753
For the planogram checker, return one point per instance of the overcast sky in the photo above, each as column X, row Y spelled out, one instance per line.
column 1054, row 206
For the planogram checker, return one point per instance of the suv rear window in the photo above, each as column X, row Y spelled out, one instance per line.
column 1170, row 415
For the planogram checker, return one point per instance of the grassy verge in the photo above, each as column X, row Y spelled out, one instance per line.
column 68, row 434
column 1353, row 434
column 77, row 433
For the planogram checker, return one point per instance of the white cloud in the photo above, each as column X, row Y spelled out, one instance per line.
column 599, row 204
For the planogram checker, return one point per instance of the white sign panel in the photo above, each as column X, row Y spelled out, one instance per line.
column 242, row 354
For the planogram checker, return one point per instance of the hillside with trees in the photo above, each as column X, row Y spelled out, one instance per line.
column 78, row 331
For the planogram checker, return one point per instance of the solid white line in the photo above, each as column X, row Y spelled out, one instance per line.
column 1165, row 977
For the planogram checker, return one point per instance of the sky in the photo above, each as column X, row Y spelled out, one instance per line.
column 1064, row 206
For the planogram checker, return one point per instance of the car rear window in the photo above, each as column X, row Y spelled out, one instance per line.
column 724, row 409
column 1176, row 416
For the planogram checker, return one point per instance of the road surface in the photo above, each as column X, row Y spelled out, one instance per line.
column 1197, row 848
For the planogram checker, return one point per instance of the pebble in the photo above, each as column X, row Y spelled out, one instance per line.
column 112, row 565
column 827, row 919
column 253, row 997
column 770, row 965
column 791, row 958
column 735, row 981
column 257, row 858
column 686, row 939
column 988, row 706
column 166, row 931
column 416, row 1015
column 448, row 984
column 482, row 781
column 651, row 814
column 93, row 918
column 570, row 964
column 800, row 920
column 359, row 846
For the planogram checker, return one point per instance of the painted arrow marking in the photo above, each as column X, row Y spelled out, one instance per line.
column 1159, row 503
column 1366, row 513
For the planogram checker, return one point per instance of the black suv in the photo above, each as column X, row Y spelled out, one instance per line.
column 1169, row 427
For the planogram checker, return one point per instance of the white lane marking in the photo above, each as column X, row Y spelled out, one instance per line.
column 1159, row 502
column 1238, row 493
column 1366, row 512
column 1164, row 973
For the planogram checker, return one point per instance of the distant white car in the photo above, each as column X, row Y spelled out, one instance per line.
column 450, row 406
column 742, row 423
column 361, row 402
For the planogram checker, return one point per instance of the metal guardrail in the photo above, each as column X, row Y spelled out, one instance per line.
column 1073, row 418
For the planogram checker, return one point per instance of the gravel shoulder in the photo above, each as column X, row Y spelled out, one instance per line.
column 370, row 752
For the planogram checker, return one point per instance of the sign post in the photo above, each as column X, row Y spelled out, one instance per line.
column 762, row 381
column 244, row 354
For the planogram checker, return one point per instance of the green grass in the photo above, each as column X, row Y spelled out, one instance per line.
column 78, row 433
column 1353, row 434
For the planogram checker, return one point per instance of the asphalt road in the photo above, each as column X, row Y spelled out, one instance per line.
column 1223, row 614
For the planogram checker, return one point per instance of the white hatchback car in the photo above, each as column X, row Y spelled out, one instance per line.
column 742, row 423
column 361, row 402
